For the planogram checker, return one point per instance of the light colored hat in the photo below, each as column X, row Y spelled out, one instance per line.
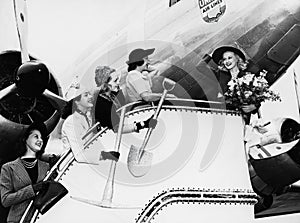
column 75, row 90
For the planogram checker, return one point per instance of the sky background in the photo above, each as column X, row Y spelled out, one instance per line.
column 61, row 31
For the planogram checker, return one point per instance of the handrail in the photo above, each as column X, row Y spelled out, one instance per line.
column 87, row 143
column 136, row 103
column 169, row 107
column 57, row 164
column 108, row 192
column 109, row 186
column 91, row 130
column 194, row 100
column 61, row 172
column 51, row 171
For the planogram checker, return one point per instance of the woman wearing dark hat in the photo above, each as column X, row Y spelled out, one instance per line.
column 138, row 85
column 109, row 99
column 233, row 64
column 22, row 178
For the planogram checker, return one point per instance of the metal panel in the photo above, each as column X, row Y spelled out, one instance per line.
column 287, row 48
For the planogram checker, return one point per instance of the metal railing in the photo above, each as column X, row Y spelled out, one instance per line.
column 175, row 102
column 124, row 110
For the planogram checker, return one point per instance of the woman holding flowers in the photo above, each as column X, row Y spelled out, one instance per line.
column 232, row 67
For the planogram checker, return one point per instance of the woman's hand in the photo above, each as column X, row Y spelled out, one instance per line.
column 170, row 96
column 43, row 185
column 248, row 108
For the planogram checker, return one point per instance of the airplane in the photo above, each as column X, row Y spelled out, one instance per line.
column 184, row 34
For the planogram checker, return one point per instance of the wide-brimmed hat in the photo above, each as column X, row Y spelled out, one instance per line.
column 218, row 53
column 139, row 54
column 102, row 74
column 40, row 126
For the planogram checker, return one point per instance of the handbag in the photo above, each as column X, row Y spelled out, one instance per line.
column 47, row 198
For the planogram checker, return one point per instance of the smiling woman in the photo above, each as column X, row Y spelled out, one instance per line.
column 233, row 65
column 22, row 178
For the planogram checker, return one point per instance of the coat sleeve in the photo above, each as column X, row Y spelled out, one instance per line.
column 9, row 196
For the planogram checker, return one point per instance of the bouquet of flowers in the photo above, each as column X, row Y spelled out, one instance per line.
column 249, row 89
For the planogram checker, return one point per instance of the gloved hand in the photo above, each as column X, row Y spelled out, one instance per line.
column 111, row 155
column 149, row 123
column 40, row 186
column 53, row 159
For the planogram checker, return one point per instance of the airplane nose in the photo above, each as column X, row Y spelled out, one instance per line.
column 32, row 78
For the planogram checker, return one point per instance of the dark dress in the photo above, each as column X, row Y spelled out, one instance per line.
column 106, row 109
column 224, row 77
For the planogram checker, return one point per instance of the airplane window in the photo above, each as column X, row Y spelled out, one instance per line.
column 272, row 49
column 173, row 2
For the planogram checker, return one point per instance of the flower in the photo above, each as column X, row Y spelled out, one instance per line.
column 247, row 78
column 249, row 89
column 231, row 85
column 247, row 94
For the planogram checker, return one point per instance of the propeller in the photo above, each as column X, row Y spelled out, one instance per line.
column 10, row 89
column 32, row 77
column 28, row 90
column 26, row 93
column 20, row 9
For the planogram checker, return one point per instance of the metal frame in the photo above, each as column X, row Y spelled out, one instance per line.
column 108, row 191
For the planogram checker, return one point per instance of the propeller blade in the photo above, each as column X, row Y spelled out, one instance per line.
column 57, row 101
column 21, row 17
column 10, row 89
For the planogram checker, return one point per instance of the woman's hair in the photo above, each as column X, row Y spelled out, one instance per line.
column 77, row 98
column 105, row 86
column 102, row 75
column 69, row 107
column 22, row 149
column 74, row 104
column 134, row 65
column 242, row 65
